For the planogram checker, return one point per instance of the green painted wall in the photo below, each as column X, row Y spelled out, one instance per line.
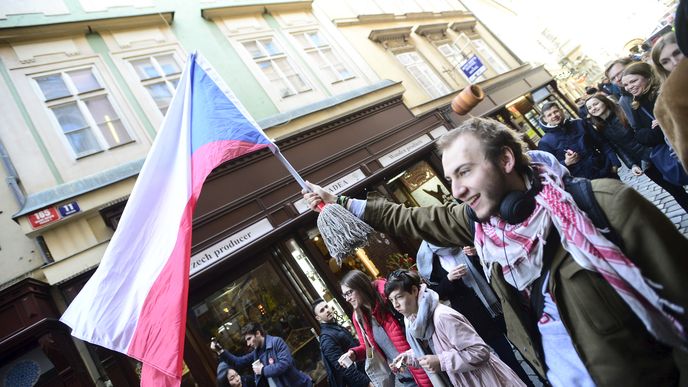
column 99, row 46
column 191, row 30
column 30, row 125
column 196, row 33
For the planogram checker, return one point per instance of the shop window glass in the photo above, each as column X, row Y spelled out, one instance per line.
column 261, row 296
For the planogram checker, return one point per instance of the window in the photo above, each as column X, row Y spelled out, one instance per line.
column 457, row 57
column 423, row 74
column 159, row 74
column 320, row 52
column 83, row 110
column 274, row 64
column 490, row 56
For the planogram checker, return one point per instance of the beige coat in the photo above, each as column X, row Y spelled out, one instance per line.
column 464, row 356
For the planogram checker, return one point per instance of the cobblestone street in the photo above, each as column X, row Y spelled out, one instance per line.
column 659, row 197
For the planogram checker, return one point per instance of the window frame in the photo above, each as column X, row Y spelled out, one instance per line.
column 161, row 78
column 319, row 51
column 284, row 54
column 79, row 99
column 425, row 62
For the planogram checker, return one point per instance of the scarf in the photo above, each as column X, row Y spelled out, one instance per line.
column 420, row 328
column 451, row 257
column 518, row 249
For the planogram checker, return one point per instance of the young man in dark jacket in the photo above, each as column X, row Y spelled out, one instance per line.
column 270, row 358
column 576, row 145
column 335, row 341
column 583, row 310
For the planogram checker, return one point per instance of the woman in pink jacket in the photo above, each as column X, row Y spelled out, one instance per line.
column 380, row 327
column 442, row 340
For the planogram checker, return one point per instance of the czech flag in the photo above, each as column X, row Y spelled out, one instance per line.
column 136, row 301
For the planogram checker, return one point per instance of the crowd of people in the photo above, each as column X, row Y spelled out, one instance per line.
column 546, row 250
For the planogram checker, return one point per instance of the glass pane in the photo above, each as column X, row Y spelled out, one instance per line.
column 271, row 47
column 168, row 64
column 84, row 80
column 258, row 296
column 317, row 38
column 75, row 129
column 114, row 132
column 404, row 59
column 174, row 82
column 291, row 74
column 69, row 117
column 101, row 109
column 53, row 86
column 145, row 69
column 83, row 142
column 160, row 93
column 280, row 84
column 108, row 122
column 303, row 40
column 253, row 49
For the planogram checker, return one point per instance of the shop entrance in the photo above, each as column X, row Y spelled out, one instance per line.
column 274, row 289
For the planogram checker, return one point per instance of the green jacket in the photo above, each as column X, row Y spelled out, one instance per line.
column 610, row 340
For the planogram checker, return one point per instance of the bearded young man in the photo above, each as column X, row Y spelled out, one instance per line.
column 581, row 310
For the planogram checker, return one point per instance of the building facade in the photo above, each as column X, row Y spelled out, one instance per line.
column 354, row 94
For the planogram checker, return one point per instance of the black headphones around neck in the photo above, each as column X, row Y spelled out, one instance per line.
column 516, row 206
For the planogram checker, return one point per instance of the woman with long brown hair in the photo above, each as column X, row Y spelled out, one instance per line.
column 610, row 121
column 379, row 332
column 643, row 84
column 666, row 54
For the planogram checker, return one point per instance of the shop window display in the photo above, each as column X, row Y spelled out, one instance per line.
column 262, row 296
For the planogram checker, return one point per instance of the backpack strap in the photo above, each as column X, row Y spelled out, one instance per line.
column 582, row 193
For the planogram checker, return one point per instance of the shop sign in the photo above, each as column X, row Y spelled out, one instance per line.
column 43, row 217
column 229, row 245
column 404, row 150
column 336, row 187
column 69, row 209
column 438, row 132
column 473, row 68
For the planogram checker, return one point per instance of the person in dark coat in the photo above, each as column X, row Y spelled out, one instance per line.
column 614, row 71
column 270, row 358
column 576, row 145
column 457, row 276
column 611, row 123
column 335, row 341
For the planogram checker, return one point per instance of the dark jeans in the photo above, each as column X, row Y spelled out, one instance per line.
column 678, row 192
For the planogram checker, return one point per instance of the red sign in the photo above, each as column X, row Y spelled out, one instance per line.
column 43, row 217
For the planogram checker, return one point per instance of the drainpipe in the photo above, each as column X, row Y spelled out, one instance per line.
column 12, row 178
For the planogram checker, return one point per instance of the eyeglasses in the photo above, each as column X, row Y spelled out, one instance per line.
column 348, row 294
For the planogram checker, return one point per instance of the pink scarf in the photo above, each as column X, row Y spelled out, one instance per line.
column 518, row 249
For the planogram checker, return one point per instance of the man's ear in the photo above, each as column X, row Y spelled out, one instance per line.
column 507, row 160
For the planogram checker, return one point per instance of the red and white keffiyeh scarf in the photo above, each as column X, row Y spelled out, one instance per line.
column 518, row 249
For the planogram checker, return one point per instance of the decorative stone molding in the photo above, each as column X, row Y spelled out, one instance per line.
column 147, row 36
column 28, row 52
column 391, row 37
column 463, row 25
column 427, row 30
column 211, row 13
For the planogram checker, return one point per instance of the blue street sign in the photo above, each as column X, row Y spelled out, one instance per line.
column 69, row 209
column 473, row 68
